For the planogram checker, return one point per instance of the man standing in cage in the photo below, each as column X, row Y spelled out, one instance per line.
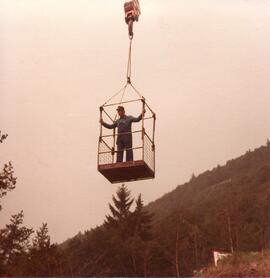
column 124, row 138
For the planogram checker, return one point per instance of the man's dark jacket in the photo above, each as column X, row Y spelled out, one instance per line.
column 123, row 126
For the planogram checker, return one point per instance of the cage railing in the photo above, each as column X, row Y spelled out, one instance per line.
column 144, row 147
column 106, row 153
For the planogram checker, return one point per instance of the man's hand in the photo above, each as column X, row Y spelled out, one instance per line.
column 101, row 121
column 144, row 111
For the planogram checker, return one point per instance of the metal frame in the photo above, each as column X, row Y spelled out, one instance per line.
column 112, row 148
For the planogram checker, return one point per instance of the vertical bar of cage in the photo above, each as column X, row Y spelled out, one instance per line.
column 100, row 133
column 143, row 143
column 153, row 143
column 113, row 149
column 98, row 152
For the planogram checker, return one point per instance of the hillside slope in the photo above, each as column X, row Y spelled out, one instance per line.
column 250, row 264
column 235, row 171
column 225, row 209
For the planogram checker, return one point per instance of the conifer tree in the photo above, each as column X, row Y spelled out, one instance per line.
column 142, row 220
column 42, row 257
column 7, row 179
column 139, row 243
column 14, row 242
column 121, row 209
column 120, row 230
column 42, row 238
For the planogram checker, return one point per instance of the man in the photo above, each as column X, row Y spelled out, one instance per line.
column 124, row 138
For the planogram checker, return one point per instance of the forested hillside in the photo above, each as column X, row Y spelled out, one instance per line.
column 225, row 209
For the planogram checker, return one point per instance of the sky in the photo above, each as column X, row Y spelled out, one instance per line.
column 203, row 66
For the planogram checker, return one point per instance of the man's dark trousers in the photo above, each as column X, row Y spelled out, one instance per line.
column 124, row 143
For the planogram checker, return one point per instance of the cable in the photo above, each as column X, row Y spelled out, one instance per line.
column 129, row 61
column 115, row 95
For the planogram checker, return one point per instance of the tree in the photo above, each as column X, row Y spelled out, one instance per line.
column 42, row 256
column 142, row 220
column 7, row 180
column 193, row 177
column 141, row 230
column 14, row 242
column 120, row 211
column 130, row 231
column 2, row 137
column 119, row 227
column 42, row 238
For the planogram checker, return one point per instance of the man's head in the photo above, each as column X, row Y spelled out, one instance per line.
column 121, row 111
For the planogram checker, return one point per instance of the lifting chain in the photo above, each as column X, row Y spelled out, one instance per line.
column 129, row 61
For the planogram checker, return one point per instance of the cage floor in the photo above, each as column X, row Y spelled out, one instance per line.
column 126, row 171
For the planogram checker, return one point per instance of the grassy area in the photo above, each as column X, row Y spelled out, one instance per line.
column 252, row 264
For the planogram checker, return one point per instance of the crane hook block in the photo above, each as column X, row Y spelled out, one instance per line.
column 132, row 11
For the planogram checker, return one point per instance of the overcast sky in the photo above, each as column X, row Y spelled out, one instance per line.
column 203, row 66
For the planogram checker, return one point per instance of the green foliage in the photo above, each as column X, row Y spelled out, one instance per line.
column 7, row 180
column 120, row 218
column 42, row 239
column 14, row 243
column 229, row 206
column 43, row 258
column 241, row 264
column 120, row 247
column 2, row 137
column 225, row 209
column 142, row 221
column 129, row 234
column 268, row 143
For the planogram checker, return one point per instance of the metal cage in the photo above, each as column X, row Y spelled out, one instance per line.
column 143, row 165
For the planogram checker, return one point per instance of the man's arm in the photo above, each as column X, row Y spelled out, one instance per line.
column 135, row 120
column 110, row 126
